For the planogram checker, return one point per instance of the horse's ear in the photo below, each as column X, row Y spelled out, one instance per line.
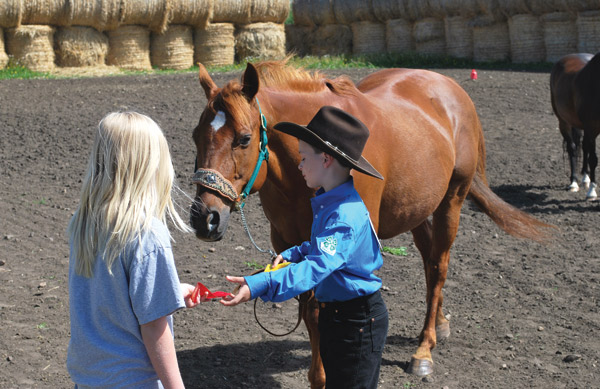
column 250, row 82
column 209, row 86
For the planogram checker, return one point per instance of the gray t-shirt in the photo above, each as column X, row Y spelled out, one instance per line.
column 106, row 347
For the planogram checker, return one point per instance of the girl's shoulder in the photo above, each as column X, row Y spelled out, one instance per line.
column 157, row 237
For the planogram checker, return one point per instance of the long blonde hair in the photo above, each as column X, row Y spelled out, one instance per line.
column 129, row 180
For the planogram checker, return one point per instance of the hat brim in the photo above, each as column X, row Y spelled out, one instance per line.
column 305, row 134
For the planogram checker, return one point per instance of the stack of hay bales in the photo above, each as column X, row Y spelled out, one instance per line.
column 525, row 32
column 32, row 46
column 260, row 40
column 232, row 11
column 151, row 13
column 368, row 34
column 269, row 11
column 588, row 24
column 428, row 28
column 560, row 34
column 398, row 30
column 103, row 15
column 331, row 39
column 173, row 49
column 215, row 44
column 80, row 46
column 11, row 13
column 491, row 41
column 195, row 13
column 317, row 30
column 129, row 48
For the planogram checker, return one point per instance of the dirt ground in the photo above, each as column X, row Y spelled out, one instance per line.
column 522, row 314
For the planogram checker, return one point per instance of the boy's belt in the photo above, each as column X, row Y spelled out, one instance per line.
column 354, row 303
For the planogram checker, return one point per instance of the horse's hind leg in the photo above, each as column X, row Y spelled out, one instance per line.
column 571, row 137
column 589, row 150
column 434, row 241
column 577, row 135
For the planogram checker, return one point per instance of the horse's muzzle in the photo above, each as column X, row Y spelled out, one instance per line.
column 210, row 224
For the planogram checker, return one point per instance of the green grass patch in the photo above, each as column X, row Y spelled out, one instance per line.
column 254, row 265
column 400, row 251
column 16, row 71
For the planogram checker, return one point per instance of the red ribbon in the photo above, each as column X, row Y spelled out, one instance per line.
column 203, row 290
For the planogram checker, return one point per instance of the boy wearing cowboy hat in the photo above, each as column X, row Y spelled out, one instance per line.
column 339, row 260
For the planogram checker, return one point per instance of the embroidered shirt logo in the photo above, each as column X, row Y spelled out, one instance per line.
column 329, row 245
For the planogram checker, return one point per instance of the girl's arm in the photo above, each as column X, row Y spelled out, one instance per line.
column 160, row 346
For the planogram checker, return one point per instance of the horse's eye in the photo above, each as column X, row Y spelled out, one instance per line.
column 245, row 140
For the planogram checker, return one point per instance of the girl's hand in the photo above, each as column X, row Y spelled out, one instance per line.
column 187, row 291
column 243, row 292
column 278, row 259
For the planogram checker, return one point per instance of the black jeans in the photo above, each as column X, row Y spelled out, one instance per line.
column 352, row 336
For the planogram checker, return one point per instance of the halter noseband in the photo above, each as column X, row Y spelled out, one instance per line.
column 214, row 180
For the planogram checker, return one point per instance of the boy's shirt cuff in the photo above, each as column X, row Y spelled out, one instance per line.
column 258, row 284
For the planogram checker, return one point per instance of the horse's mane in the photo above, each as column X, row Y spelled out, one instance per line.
column 280, row 75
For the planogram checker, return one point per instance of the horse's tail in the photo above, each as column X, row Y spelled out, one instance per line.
column 512, row 220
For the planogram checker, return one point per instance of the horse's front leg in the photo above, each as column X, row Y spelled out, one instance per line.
column 571, row 137
column 589, row 150
column 310, row 314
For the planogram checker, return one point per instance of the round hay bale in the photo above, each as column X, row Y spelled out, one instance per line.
column 540, row 7
column 173, row 49
column 398, row 36
column 385, row 10
column 491, row 9
column 429, row 37
column 526, row 39
column 103, row 15
column 350, row 11
column 581, row 5
column 437, row 9
column 331, row 39
column 195, row 13
column 52, row 12
column 274, row 11
column 232, row 11
column 417, row 9
column 313, row 12
column 491, row 42
column 129, row 48
column 466, row 8
column 588, row 32
column 560, row 34
column 80, row 46
column 151, row 13
column 11, row 13
column 260, row 40
column 459, row 37
column 3, row 56
column 368, row 38
column 297, row 38
column 215, row 44
column 32, row 46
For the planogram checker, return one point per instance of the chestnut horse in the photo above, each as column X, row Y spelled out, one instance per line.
column 575, row 96
column 426, row 140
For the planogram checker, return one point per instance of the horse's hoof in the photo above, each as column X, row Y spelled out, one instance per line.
column 442, row 331
column 574, row 187
column 591, row 194
column 420, row 367
column 585, row 181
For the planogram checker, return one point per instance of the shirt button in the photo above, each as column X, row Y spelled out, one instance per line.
column 321, row 206
column 361, row 330
column 336, row 311
column 322, row 305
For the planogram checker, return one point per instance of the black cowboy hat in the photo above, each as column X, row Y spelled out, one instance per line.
column 337, row 133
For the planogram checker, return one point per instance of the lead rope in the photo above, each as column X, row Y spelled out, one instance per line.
column 245, row 225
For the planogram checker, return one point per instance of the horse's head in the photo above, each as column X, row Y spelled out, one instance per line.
column 228, row 146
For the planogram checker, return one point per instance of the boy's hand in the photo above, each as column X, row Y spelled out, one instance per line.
column 278, row 259
column 243, row 292
column 187, row 291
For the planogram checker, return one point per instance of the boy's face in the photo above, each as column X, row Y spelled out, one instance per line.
column 311, row 165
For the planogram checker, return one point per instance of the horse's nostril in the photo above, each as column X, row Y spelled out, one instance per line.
column 212, row 220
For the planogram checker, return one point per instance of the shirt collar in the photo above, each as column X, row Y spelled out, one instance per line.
column 339, row 192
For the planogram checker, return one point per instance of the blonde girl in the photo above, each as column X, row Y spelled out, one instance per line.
column 123, row 284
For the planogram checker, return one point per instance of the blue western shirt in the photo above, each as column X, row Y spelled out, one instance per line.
column 338, row 261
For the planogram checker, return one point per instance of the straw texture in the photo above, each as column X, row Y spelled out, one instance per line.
column 32, row 46
column 173, row 49
column 588, row 32
column 540, row 7
column 11, row 13
column 560, row 34
column 368, row 38
column 103, row 15
column 273, row 11
column 398, row 36
column 350, row 11
column 459, row 37
column 385, row 10
column 80, row 46
column 429, row 37
column 151, row 13
column 260, row 40
column 491, row 42
column 296, row 39
column 215, row 44
column 195, row 13
column 232, row 11
column 331, row 39
column 313, row 12
column 129, row 48
column 526, row 39
column 51, row 12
